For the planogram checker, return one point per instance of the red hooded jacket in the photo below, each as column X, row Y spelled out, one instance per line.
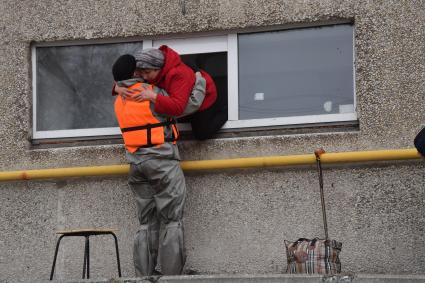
column 177, row 79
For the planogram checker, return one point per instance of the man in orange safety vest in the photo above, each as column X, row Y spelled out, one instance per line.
column 155, row 177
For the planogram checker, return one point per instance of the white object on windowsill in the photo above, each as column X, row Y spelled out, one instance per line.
column 327, row 106
column 259, row 96
column 346, row 108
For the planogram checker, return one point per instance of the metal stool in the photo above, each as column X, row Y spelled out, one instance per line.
column 86, row 233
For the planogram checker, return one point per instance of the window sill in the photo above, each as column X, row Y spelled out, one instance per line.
column 186, row 135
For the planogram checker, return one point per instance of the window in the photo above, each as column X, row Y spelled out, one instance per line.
column 272, row 78
column 296, row 76
column 285, row 77
column 72, row 89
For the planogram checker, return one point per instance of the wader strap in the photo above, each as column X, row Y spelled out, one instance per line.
column 173, row 224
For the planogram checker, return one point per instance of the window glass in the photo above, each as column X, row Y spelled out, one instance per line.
column 74, row 83
column 215, row 64
column 296, row 72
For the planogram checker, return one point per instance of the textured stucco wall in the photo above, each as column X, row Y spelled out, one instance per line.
column 235, row 220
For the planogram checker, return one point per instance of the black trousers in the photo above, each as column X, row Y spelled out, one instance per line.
column 205, row 124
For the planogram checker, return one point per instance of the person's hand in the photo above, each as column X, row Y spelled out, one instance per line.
column 124, row 92
column 145, row 94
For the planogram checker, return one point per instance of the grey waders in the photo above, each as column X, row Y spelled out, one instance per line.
column 160, row 191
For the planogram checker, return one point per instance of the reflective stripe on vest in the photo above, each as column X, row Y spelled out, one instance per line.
column 140, row 127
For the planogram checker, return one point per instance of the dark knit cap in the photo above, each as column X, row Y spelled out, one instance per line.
column 124, row 67
column 420, row 142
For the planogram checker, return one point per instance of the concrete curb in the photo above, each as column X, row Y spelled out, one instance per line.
column 273, row 278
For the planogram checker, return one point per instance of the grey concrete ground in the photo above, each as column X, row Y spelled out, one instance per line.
column 278, row 278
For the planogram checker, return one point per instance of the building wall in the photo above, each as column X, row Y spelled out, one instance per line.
column 235, row 220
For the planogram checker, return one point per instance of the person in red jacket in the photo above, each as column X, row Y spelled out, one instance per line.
column 164, row 68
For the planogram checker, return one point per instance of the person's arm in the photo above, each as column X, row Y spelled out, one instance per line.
column 145, row 94
column 179, row 90
column 195, row 99
column 123, row 91
column 197, row 95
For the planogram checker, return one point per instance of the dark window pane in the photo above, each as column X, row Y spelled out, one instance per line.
column 74, row 85
column 296, row 72
column 214, row 64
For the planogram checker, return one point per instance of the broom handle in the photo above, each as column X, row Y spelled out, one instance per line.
column 318, row 152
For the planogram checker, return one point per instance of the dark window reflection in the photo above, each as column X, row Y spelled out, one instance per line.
column 74, row 85
column 214, row 64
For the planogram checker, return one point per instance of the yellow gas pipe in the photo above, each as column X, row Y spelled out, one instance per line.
column 304, row 159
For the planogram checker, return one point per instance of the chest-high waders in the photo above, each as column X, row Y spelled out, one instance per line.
column 158, row 184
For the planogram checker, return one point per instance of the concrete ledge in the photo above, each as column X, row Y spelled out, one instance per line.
column 275, row 278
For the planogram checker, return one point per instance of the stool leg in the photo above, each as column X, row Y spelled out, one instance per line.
column 118, row 254
column 54, row 259
column 85, row 259
column 86, row 264
column 88, row 257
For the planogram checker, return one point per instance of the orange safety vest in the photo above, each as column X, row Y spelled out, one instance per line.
column 140, row 127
